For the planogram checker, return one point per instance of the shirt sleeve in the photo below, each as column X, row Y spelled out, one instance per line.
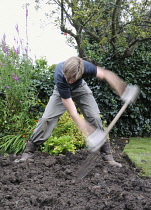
column 64, row 90
column 89, row 69
column 62, row 86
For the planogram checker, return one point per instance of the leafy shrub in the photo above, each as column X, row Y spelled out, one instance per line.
column 59, row 145
column 43, row 80
column 65, row 137
column 67, row 127
column 42, row 85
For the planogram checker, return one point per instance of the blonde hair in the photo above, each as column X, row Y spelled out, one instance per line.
column 73, row 67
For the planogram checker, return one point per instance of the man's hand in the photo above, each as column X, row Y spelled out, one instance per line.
column 130, row 94
column 112, row 79
column 83, row 126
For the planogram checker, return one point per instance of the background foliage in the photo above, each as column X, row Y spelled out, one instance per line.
column 113, row 34
column 115, row 25
column 136, row 69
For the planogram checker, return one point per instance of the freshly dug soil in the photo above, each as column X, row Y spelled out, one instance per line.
column 50, row 183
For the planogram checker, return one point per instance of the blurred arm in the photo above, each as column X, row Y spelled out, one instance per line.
column 112, row 79
column 84, row 127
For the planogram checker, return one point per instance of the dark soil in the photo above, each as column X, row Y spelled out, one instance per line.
column 50, row 183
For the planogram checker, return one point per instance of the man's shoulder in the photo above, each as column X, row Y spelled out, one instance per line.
column 89, row 68
column 60, row 65
column 58, row 76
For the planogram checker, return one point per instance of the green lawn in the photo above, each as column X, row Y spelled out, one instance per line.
column 139, row 152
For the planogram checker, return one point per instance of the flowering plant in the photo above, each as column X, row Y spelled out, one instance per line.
column 15, row 80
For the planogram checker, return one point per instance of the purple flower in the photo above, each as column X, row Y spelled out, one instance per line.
column 6, row 49
column 8, row 87
column 26, row 11
column 4, row 37
column 15, row 78
column 17, row 50
column 2, row 65
column 17, row 29
column 26, row 51
column 4, row 41
column 21, row 101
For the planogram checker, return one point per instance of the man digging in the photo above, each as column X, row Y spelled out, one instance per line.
column 70, row 89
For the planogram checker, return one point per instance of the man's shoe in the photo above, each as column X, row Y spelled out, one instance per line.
column 109, row 160
column 26, row 156
column 30, row 147
column 28, row 153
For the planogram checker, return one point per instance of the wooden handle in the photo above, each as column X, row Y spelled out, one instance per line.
column 117, row 117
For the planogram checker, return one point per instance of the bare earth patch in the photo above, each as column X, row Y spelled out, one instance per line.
column 50, row 183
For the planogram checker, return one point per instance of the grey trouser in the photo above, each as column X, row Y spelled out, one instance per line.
column 84, row 99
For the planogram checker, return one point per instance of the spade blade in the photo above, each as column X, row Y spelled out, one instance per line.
column 87, row 165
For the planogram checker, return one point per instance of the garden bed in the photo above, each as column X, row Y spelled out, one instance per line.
column 50, row 183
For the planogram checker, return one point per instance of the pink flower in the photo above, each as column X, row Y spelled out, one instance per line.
column 8, row 87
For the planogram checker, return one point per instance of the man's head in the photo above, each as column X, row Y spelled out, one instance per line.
column 73, row 69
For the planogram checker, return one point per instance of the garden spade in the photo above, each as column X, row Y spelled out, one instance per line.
column 96, row 140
